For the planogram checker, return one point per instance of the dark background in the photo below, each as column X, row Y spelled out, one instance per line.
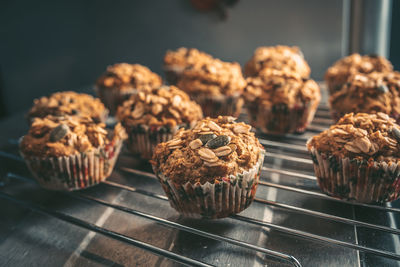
column 48, row 46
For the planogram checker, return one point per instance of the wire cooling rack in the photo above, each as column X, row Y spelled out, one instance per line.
column 290, row 222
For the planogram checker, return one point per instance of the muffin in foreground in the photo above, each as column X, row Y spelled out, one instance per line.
column 216, row 86
column 281, row 102
column 358, row 158
column 122, row 80
column 284, row 58
column 70, row 152
column 336, row 76
column 374, row 92
column 211, row 171
column 68, row 103
column 154, row 116
column 175, row 62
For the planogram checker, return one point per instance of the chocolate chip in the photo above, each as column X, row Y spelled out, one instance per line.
column 396, row 133
column 206, row 137
column 218, row 141
column 59, row 132
column 382, row 88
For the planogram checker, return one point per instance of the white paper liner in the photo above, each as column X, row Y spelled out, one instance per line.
column 75, row 171
column 362, row 181
column 214, row 200
column 213, row 106
column 113, row 97
column 282, row 121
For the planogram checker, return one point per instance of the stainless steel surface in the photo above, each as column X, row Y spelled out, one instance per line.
column 370, row 22
column 127, row 221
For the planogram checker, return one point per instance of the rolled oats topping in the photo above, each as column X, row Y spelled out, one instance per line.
column 163, row 106
column 214, row 78
column 374, row 92
column 124, row 76
column 184, row 58
column 279, row 57
column 68, row 103
column 201, row 158
column 274, row 86
column 342, row 69
column 63, row 136
column 361, row 136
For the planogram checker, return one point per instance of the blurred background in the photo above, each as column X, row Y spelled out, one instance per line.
column 48, row 46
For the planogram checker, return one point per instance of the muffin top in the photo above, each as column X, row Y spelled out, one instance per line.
column 279, row 57
column 163, row 106
column 68, row 103
column 183, row 58
column 212, row 150
column 372, row 92
column 125, row 77
column 338, row 73
column 361, row 136
column 63, row 136
column 276, row 86
column 214, row 78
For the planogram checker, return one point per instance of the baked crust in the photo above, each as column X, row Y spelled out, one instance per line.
column 68, row 103
column 124, row 76
column 63, row 136
column 212, row 150
column 184, row 58
column 284, row 58
column 163, row 106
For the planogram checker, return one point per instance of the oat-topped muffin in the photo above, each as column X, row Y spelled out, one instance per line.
column 175, row 62
column 70, row 152
column 280, row 102
column 217, row 86
column 358, row 158
column 217, row 161
column 374, row 92
column 153, row 116
column 279, row 57
column 122, row 80
column 68, row 103
column 337, row 75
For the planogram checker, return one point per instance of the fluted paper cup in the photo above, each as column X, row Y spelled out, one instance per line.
column 214, row 106
column 353, row 179
column 214, row 200
column 76, row 171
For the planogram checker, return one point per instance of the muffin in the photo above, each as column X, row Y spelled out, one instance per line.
column 337, row 75
column 216, row 86
column 279, row 57
column 374, row 92
column 175, row 62
column 70, row 152
column 68, row 103
column 358, row 158
column 281, row 102
column 211, row 171
column 154, row 116
column 122, row 80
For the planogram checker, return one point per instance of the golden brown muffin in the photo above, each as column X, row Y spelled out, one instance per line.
column 337, row 75
column 358, row 158
column 284, row 58
column 68, row 103
column 281, row 102
column 155, row 115
column 217, row 156
column 374, row 92
column 122, row 80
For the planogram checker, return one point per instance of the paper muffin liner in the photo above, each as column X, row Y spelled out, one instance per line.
column 142, row 139
column 213, row 106
column 279, row 119
column 214, row 200
column 173, row 74
column 113, row 97
column 77, row 171
column 360, row 180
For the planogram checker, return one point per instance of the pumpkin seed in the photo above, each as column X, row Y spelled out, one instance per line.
column 382, row 88
column 204, row 138
column 206, row 153
column 221, row 140
column 59, row 132
column 222, row 151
